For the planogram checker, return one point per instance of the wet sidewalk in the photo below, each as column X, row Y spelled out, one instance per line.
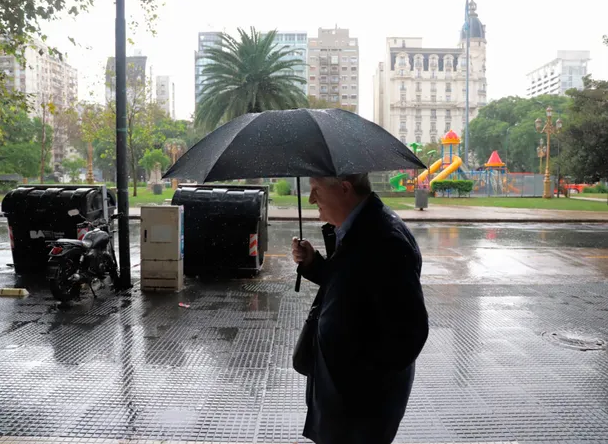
column 510, row 310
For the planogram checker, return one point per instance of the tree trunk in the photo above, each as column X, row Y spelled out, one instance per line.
column 134, row 173
column 43, row 147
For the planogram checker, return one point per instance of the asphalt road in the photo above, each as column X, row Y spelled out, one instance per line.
column 511, row 308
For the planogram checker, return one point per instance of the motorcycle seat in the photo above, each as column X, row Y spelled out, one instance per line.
column 75, row 242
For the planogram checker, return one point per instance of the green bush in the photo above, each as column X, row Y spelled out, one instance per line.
column 600, row 188
column 283, row 188
column 271, row 188
column 462, row 187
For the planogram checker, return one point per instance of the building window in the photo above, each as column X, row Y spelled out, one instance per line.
column 323, row 79
column 353, row 96
column 313, row 86
column 418, row 86
column 418, row 126
column 354, row 60
column 344, row 86
column 418, row 98
column 313, row 78
column 353, row 68
column 433, row 113
column 334, row 98
column 403, row 125
column 401, row 61
column 312, row 67
column 344, row 96
column 335, row 60
column 344, row 59
column 418, row 74
column 448, row 113
column 402, row 139
column 354, row 87
column 403, row 97
column 353, row 78
column 345, row 68
column 402, row 87
column 448, row 98
column 448, row 126
column 433, row 87
column 418, row 139
column 344, row 78
column 433, row 98
column 418, row 113
column 448, row 87
column 433, row 126
column 433, row 139
column 401, row 72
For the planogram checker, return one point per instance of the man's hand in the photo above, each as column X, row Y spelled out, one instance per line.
column 302, row 251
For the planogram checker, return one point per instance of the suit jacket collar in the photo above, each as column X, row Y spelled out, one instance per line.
column 372, row 207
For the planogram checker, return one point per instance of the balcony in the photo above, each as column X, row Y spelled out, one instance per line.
column 324, row 61
column 335, row 80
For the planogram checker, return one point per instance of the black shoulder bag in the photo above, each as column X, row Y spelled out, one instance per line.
column 304, row 353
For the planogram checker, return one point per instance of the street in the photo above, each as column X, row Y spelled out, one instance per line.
column 516, row 352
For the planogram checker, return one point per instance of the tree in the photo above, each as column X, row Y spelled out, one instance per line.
column 247, row 76
column 586, row 132
column 155, row 157
column 315, row 103
column 73, row 167
column 507, row 126
column 20, row 152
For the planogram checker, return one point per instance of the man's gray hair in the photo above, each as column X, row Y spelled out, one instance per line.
column 360, row 182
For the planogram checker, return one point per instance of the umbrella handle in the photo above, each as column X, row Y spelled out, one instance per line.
column 299, row 278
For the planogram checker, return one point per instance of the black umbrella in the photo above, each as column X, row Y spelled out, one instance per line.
column 293, row 143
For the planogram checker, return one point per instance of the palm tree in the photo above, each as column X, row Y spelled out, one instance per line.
column 247, row 76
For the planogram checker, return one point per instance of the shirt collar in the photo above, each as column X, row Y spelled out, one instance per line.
column 343, row 229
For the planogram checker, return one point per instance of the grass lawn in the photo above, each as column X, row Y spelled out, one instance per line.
column 147, row 197
column 523, row 202
column 396, row 203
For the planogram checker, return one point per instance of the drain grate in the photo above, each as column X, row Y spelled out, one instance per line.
column 266, row 287
column 575, row 341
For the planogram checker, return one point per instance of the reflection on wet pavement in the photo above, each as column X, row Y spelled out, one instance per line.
column 139, row 366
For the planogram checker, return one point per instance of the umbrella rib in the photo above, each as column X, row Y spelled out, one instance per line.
column 310, row 115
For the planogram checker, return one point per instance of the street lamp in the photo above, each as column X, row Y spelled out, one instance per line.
column 507, row 154
column 174, row 159
column 549, row 128
column 541, row 151
column 90, row 176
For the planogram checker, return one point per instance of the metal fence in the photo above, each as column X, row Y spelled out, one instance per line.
column 493, row 183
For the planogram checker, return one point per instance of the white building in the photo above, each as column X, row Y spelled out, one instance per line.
column 297, row 42
column 420, row 93
column 333, row 67
column 47, row 80
column 165, row 95
column 206, row 40
column 136, row 78
column 564, row 72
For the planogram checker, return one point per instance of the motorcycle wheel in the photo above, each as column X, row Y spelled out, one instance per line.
column 61, row 289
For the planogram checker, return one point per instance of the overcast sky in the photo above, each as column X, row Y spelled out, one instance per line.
column 521, row 34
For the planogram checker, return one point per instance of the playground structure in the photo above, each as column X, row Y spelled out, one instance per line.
column 492, row 179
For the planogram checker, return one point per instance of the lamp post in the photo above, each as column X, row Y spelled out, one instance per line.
column 90, row 176
column 541, row 151
column 174, row 159
column 549, row 128
column 507, row 153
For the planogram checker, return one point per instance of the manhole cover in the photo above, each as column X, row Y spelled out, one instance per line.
column 266, row 287
column 575, row 341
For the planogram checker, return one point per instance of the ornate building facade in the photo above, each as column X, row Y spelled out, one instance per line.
column 420, row 93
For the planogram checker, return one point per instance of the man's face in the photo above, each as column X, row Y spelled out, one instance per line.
column 331, row 198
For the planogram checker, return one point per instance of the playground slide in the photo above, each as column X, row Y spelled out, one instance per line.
column 449, row 170
column 425, row 173
column 396, row 181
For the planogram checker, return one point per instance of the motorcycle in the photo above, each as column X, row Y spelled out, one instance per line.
column 74, row 262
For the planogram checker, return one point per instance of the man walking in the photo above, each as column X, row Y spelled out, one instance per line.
column 371, row 323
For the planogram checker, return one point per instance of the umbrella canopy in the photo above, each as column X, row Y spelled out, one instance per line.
column 293, row 143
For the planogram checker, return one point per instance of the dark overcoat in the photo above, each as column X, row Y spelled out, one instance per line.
column 372, row 326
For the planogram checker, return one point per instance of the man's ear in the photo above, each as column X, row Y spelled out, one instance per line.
column 347, row 187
